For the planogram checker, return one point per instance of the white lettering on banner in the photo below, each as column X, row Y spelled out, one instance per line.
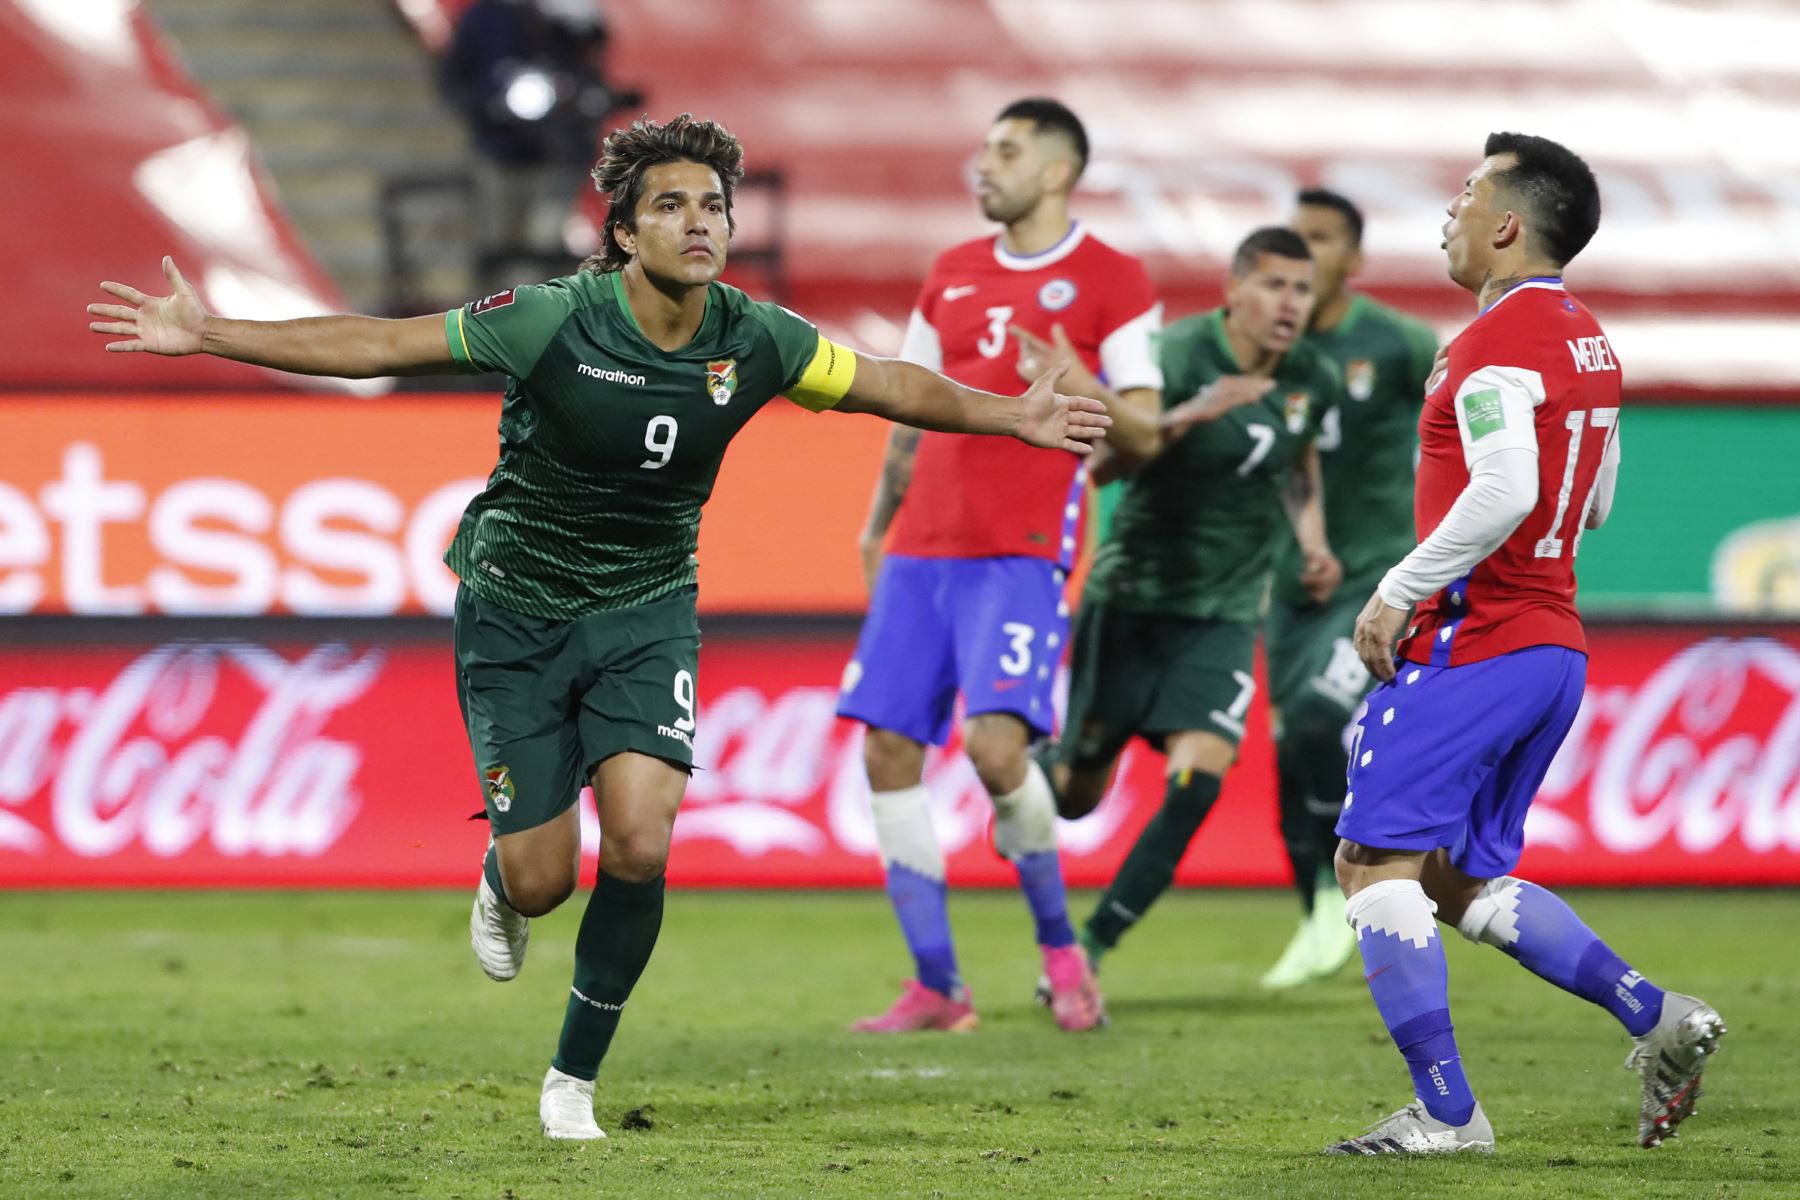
column 83, row 501
column 763, row 761
column 345, row 546
column 125, row 773
column 1707, row 747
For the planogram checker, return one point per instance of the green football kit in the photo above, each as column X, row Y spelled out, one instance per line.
column 576, row 634
column 1166, row 637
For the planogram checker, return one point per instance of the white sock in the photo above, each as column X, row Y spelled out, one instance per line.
column 1025, row 818
column 903, row 831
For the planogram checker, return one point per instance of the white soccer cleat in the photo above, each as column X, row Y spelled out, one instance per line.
column 1669, row 1060
column 566, row 1108
column 498, row 932
column 1412, row 1130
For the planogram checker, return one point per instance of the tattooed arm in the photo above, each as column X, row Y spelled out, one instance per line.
column 890, row 489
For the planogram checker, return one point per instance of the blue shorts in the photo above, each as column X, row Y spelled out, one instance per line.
column 991, row 628
column 1451, row 757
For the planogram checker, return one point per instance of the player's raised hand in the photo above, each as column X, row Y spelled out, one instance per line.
column 1214, row 401
column 174, row 324
column 1377, row 628
column 1320, row 573
column 1037, row 356
column 1054, row 421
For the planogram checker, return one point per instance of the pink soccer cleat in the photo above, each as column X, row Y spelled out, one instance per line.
column 1074, row 991
column 921, row 1008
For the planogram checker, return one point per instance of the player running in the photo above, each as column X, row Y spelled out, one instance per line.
column 969, row 596
column 576, row 638
column 1167, row 632
column 1519, row 444
column 1316, row 680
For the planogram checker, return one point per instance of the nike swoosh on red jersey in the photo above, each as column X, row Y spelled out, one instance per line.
column 957, row 293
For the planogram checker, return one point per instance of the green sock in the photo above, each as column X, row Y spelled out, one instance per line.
column 1096, row 950
column 618, row 931
column 1149, row 869
column 490, row 867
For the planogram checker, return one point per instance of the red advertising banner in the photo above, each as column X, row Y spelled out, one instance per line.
column 236, row 763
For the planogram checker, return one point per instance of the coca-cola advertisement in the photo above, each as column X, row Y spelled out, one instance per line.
column 244, row 763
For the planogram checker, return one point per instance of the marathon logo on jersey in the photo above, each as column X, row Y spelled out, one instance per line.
column 1359, row 378
column 721, row 380
column 610, row 376
column 497, row 300
column 499, row 785
column 1591, row 354
column 1056, row 295
column 1298, row 405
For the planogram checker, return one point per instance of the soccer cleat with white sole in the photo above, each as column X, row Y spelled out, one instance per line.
column 498, row 933
column 1669, row 1060
column 1412, row 1130
column 566, row 1108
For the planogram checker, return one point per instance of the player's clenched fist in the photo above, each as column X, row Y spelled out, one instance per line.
column 173, row 324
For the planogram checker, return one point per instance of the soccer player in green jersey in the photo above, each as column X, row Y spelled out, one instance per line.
column 576, row 637
column 1165, row 640
column 1316, row 679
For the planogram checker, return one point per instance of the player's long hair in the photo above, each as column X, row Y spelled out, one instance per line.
column 627, row 156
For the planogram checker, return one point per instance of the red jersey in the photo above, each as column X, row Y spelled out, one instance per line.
column 978, row 496
column 1538, row 343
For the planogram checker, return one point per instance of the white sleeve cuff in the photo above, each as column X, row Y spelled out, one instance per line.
column 1502, row 491
column 1128, row 355
column 921, row 344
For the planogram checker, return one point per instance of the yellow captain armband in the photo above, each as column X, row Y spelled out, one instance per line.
column 826, row 378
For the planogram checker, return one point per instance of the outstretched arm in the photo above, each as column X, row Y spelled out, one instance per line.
column 916, row 396
column 1135, row 438
column 352, row 347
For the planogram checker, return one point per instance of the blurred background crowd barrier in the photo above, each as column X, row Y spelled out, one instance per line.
column 224, row 650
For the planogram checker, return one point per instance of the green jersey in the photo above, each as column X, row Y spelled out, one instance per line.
column 1195, row 529
column 1366, row 446
column 609, row 445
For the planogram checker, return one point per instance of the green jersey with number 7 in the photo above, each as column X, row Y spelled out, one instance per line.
column 1196, row 530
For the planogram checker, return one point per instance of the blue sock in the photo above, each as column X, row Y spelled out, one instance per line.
column 915, row 884
column 920, row 903
column 1040, row 878
column 1535, row 927
column 1403, row 962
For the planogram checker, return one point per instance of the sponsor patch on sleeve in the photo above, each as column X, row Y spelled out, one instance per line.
column 497, row 300
column 1483, row 413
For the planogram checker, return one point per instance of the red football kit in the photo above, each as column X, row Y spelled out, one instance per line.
column 974, row 496
column 1540, row 343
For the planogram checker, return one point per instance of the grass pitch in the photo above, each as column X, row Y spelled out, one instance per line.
column 347, row 1045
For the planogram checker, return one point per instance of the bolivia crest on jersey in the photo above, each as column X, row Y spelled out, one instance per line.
column 1297, row 405
column 721, row 380
column 499, row 786
column 1359, row 378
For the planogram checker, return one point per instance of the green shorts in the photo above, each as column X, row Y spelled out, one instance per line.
column 545, row 701
column 1312, row 658
column 1154, row 675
